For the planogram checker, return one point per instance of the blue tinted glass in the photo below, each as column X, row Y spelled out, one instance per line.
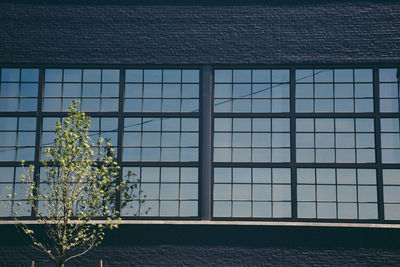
column 10, row 75
column 91, row 75
column 110, row 90
column 152, row 75
column 190, row 76
column 26, row 123
column 223, row 76
column 53, row 75
column 28, row 104
column 110, row 75
column 29, row 89
column 72, row 75
column 241, row 76
column 171, row 76
column 29, row 75
column 9, row 89
column 52, row 89
column 134, row 75
column 91, row 90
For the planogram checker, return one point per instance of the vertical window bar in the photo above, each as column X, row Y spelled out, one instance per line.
column 378, row 148
column 120, row 132
column 205, row 143
column 39, row 118
column 292, row 80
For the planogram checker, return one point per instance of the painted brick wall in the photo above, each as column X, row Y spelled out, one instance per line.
column 166, row 245
column 322, row 33
column 325, row 32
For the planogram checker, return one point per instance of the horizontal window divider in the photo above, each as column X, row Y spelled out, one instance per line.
column 159, row 164
column 252, row 115
column 91, row 114
column 160, row 114
column 19, row 114
column 16, row 163
column 336, row 115
column 253, row 165
column 336, row 165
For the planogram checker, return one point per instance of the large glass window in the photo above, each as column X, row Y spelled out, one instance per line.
column 251, row 140
column 391, row 193
column 96, row 89
column 276, row 133
column 105, row 127
column 390, row 140
column 166, row 191
column 18, row 89
column 335, row 140
column 389, row 86
column 334, row 90
column 329, row 193
column 251, row 90
column 252, row 192
column 161, row 90
column 13, row 193
column 161, row 139
column 17, row 138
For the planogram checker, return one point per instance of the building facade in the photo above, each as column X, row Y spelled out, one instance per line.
column 264, row 133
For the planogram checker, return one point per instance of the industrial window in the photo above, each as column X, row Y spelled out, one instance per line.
column 161, row 90
column 161, row 139
column 259, row 143
column 18, row 89
column 17, row 138
column 105, row 127
column 390, row 140
column 340, row 140
column 251, row 140
column 251, row 90
column 391, row 191
column 252, row 192
column 96, row 89
column 389, row 86
column 334, row 90
column 167, row 191
column 13, row 193
column 337, row 193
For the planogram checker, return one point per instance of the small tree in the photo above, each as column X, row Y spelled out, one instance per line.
column 79, row 184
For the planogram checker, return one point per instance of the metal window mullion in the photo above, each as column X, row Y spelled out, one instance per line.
column 120, row 131
column 39, row 122
column 293, row 143
column 378, row 147
column 206, row 143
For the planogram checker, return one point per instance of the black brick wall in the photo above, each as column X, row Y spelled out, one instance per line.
column 167, row 245
column 325, row 32
column 316, row 32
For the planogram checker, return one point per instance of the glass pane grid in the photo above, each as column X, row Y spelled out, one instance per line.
column 390, row 140
column 334, row 90
column 96, row 89
column 18, row 89
column 162, row 90
column 161, row 139
column 166, row 192
column 13, row 193
column 330, row 193
column 17, row 138
column 251, row 90
column 105, row 127
column 389, row 90
column 252, row 192
column 335, row 140
column 251, row 140
column 391, row 193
